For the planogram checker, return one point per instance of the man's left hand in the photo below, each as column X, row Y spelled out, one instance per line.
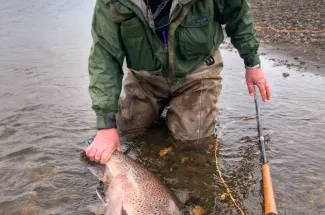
column 256, row 76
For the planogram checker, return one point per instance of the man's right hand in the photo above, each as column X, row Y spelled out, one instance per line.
column 103, row 146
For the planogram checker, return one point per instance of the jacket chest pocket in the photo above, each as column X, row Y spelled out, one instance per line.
column 139, row 54
column 196, row 33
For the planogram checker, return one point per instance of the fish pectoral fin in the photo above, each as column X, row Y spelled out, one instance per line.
column 97, row 171
column 101, row 197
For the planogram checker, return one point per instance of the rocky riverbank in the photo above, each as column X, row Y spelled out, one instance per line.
column 293, row 15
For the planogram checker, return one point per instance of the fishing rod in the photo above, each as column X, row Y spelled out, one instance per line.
column 269, row 200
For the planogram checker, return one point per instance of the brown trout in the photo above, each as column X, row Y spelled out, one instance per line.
column 130, row 189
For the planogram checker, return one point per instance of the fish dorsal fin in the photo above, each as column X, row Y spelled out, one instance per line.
column 97, row 171
column 100, row 196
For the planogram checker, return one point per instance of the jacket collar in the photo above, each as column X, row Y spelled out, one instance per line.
column 139, row 3
column 142, row 5
column 175, row 8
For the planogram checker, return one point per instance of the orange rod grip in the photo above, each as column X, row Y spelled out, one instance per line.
column 269, row 200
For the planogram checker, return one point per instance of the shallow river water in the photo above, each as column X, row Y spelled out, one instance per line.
column 45, row 118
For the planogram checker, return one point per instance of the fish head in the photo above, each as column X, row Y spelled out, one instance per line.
column 110, row 170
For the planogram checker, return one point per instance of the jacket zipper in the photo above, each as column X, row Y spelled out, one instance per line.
column 164, row 46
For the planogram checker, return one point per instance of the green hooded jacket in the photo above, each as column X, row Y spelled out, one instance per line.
column 125, row 29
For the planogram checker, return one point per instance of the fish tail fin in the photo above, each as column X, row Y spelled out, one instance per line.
column 181, row 195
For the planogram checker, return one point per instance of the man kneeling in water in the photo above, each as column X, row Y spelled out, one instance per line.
column 171, row 50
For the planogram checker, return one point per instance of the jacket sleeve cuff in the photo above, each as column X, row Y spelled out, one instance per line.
column 251, row 61
column 106, row 121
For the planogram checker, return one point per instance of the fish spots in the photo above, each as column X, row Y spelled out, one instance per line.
column 136, row 189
